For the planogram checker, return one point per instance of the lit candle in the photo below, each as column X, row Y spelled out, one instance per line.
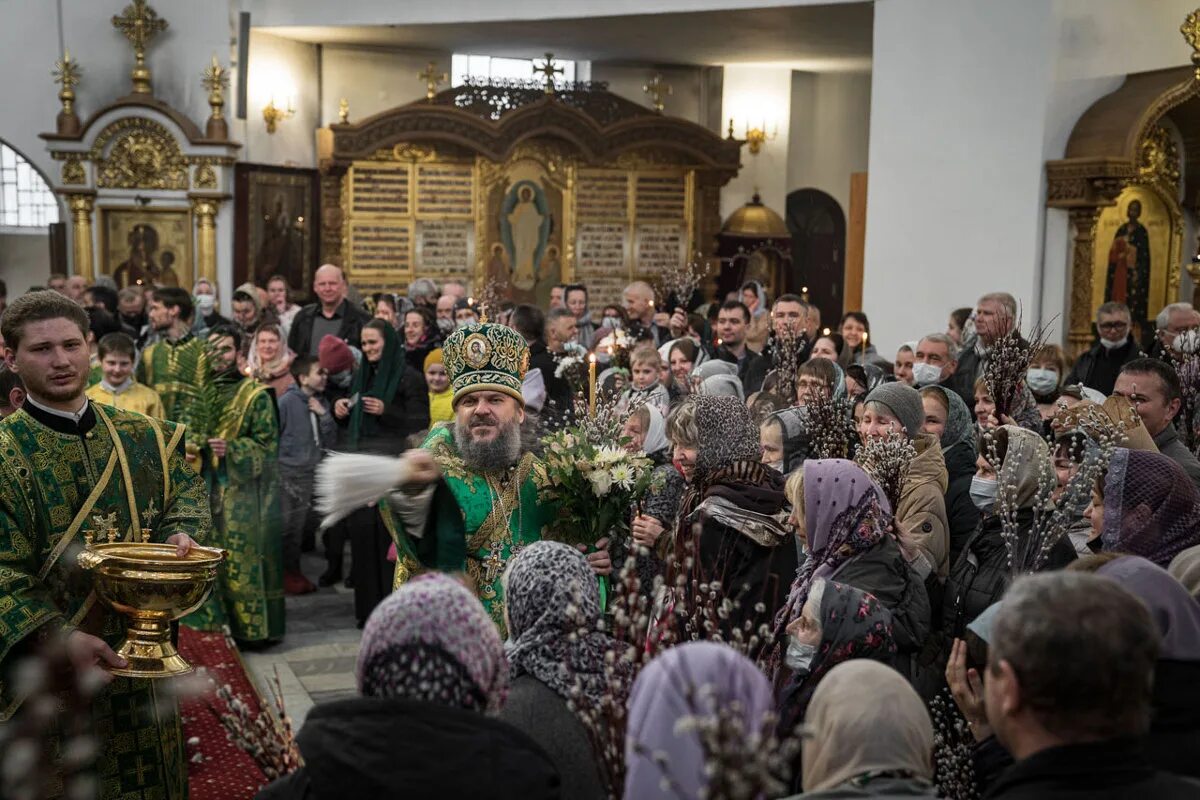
column 592, row 385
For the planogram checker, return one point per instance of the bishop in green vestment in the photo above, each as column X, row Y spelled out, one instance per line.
column 68, row 466
column 239, row 462
column 468, row 499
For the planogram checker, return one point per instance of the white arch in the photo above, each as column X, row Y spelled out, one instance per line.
column 26, row 199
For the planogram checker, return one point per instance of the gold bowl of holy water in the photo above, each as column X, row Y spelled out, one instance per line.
column 153, row 587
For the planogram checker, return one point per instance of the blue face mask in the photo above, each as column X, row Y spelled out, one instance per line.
column 1041, row 381
column 799, row 656
column 983, row 492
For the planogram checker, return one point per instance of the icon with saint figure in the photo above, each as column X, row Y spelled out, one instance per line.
column 1128, row 278
column 525, row 224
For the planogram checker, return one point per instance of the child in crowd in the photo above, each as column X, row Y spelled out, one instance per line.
column 117, row 388
column 306, row 429
column 644, row 364
column 441, row 408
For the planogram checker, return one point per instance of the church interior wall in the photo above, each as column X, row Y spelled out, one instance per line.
column 24, row 261
column 828, row 136
column 373, row 79
column 282, row 71
column 689, row 98
column 757, row 96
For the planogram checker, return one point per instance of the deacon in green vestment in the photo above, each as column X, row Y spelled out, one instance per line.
column 468, row 499
column 239, row 463
column 177, row 364
column 67, row 466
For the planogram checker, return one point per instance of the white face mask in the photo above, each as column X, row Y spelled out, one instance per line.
column 1107, row 345
column 776, row 465
column 1041, row 381
column 983, row 492
column 926, row 374
column 799, row 655
column 205, row 303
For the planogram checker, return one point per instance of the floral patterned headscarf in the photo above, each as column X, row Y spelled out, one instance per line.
column 431, row 640
column 1151, row 507
column 553, row 610
column 726, row 431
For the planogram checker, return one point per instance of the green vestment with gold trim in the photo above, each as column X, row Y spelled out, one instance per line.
column 246, row 518
column 497, row 515
column 131, row 469
column 174, row 370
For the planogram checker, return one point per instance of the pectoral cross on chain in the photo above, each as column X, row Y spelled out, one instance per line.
column 493, row 563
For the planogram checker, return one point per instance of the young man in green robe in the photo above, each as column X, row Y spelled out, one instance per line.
column 468, row 499
column 69, row 466
column 239, row 463
column 176, row 364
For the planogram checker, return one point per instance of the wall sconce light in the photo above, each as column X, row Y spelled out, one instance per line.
column 756, row 136
column 273, row 114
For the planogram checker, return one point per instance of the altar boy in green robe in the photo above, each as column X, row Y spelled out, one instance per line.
column 70, row 466
column 468, row 499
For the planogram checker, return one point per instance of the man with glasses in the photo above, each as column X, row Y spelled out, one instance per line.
column 1098, row 368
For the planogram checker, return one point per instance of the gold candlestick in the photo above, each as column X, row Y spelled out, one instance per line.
column 592, row 385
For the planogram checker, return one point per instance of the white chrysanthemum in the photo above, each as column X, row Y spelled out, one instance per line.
column 622, row 474
column 610, row 455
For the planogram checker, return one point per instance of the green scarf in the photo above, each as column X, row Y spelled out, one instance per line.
column 380, row 380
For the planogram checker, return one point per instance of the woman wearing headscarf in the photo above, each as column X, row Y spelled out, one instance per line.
column 391, row 404
column 1145, row 506
column 730, row 526
column 845, row 526
column 665, row 756
column 1185, row 568
column 836, row 624
column 871, row 736
column 787, row 439
column 948, row 418
column 1173, row 744
column 270, row 360
column 430, row 671
column 1016, row 462
column 556, row 656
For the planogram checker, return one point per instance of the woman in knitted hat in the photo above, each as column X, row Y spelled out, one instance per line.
column 431, row 671
column 896, row 409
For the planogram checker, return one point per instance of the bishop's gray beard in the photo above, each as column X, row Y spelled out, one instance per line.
column 499, row 453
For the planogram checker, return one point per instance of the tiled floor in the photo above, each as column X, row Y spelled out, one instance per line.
column 315, row 660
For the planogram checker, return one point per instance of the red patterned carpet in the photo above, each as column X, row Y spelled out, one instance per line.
column 217, row 768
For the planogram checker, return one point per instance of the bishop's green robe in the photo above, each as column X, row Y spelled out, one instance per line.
column 246, row 518
column 476, row 523
column 55, row 478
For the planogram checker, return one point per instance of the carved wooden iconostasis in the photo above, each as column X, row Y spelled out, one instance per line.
column 1130, row 173
column 518, row 186
column 143, row 182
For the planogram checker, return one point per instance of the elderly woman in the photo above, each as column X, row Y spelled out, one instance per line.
column 557, row 656
column 696, row 680
column 948, row 418
column 731, row 517
column 893, row 408
column 1146, row 506
column 871, row 736
column 1017, row 462
column 845, row 525
column 837, row 623
column 431, row 670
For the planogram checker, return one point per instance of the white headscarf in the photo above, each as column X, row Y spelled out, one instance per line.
column 656, row 431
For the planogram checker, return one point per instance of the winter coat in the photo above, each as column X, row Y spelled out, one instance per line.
column 1174, row 741
column 961, row 512
column 353, row 318
column 884, row 572
column 922, row 507
column 403, row 750
column 1170, row 445
column 1111, row 770
column 1099, row 367
column 536, row 710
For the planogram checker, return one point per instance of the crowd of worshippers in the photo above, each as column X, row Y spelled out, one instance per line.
column 966, row 623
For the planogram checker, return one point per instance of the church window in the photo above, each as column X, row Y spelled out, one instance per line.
column 26, row 201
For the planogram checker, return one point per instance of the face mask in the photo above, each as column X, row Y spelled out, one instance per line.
column 1041, row 381
column 1187, row 342
column 1107, row 345
column 462, row 323
column 799, row 655
column 926, row 374
column 205, row 303
column 776, row 465
column 983, row 492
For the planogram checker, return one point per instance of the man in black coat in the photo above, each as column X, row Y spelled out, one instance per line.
column 547, row 335
column 332, row 314
column 1098, row 367
column 788, row 314
column 1069, row 680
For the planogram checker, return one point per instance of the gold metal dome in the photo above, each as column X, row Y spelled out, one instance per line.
column 754, row 220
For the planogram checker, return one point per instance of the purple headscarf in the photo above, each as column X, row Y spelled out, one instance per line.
column 431, row 640
column 693, row 679
column 1175, row 613
column 1151, row 507
column 845, row 513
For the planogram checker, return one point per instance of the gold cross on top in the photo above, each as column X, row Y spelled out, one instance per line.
column 658, row 89
column 549, row 71
column 432, row 79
